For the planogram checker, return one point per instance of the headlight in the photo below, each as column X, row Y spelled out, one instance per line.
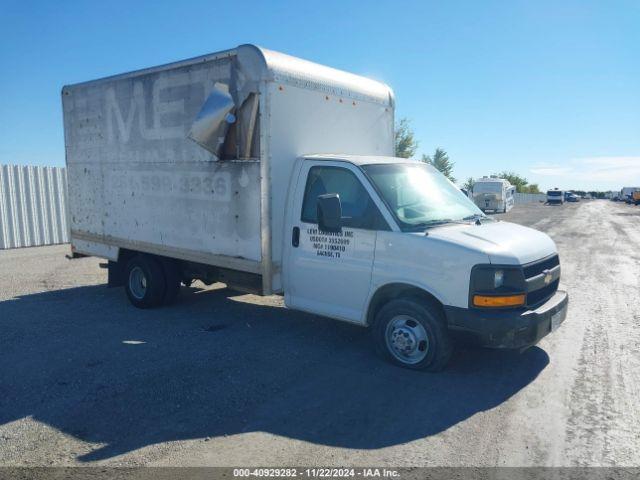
column 500, row 286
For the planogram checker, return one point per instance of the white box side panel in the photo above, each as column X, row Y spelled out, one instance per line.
column 210, row 208
column 136, row 180
column 33, row 206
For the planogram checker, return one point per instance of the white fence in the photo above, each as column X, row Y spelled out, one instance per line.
column 33, row 206
column 529, row 197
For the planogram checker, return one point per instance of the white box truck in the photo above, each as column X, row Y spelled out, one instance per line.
column 494, row 194
column 276, row 175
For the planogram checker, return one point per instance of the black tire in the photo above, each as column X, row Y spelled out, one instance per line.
column 172, row 281
column 438, row 344
column 151, row 293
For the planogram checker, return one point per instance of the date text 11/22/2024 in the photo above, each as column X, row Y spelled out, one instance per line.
column 317, row 472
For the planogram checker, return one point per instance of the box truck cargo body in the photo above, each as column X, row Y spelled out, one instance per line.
column 276, row 175
column 144, row 153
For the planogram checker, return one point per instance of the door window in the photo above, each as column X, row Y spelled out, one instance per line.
column 358, row 209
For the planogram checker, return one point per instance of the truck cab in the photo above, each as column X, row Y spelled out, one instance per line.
column 392, row 244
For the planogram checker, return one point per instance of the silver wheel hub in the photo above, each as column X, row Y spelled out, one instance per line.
column 407, row 339
column 403, row 339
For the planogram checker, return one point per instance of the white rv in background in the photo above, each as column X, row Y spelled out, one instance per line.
column 493, row 193
column 555, row 196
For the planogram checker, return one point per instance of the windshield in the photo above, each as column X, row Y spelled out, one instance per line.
column 554, row 193
column 419, row 195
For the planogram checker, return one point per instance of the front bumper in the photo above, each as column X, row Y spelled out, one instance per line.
column 518, row 328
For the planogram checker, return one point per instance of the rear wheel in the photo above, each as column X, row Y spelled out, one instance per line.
column 145, row 283
column 413, row 334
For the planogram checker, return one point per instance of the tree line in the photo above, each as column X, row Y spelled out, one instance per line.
column 406, row 146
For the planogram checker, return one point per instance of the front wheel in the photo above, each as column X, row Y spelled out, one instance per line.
column 413, row 334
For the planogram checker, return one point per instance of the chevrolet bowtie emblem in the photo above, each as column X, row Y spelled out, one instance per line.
column 548, row 276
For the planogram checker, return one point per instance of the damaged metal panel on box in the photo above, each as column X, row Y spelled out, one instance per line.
column 33, row 206
column 143, row 156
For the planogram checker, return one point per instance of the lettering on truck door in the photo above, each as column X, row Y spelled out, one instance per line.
column 330, row 272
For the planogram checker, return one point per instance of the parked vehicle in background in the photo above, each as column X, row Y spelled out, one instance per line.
column 572, row 197
column 635, row 197
column 493, row 194
column 555, row 196
column 626, row 194
column 202, row 169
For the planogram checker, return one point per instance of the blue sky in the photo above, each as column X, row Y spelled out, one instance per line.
column 549, row 89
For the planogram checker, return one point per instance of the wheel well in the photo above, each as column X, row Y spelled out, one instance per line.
column 125, row 255
column 116, row 269
column 393, row 291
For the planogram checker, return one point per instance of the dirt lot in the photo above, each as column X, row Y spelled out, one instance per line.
column 222, row 378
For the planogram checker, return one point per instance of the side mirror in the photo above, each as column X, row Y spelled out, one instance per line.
column 329, row 213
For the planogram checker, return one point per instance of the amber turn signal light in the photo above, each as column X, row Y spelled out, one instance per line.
column 502, row 301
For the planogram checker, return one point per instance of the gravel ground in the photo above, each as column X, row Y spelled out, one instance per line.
column 223, row 378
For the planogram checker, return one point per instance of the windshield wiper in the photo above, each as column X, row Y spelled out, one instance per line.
column 434, row 223
column 444, row 221
column 477, row 217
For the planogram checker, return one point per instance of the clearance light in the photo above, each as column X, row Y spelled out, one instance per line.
column 502, row 301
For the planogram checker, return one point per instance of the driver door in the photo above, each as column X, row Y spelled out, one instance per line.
column 330, row 273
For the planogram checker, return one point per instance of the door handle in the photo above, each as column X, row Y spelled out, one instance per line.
column 295, row 237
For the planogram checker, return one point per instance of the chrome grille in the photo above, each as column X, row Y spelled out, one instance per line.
column 534, row 269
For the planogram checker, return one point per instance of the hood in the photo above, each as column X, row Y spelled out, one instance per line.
column 504, row 242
